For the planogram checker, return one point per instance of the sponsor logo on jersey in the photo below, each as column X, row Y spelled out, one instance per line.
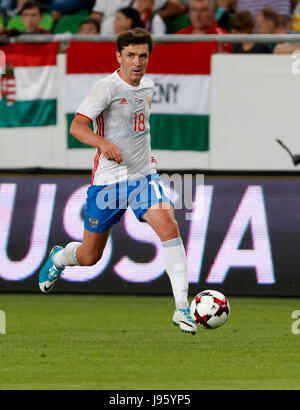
column 123, row 101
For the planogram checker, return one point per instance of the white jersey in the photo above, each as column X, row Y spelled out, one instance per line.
column 120, row 113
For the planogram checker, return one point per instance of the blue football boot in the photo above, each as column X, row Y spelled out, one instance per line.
column 49, row 273
column 183, row 319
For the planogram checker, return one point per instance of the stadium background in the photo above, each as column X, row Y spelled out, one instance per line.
column 215, row 121
column 219, row 133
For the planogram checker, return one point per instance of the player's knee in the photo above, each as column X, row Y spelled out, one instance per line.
column 169, row 230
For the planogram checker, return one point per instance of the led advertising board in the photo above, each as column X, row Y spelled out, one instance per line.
column 241, row 235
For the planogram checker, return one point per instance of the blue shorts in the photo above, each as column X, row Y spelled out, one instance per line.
column 106, row 204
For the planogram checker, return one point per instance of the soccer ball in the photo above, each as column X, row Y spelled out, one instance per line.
column 210, row 309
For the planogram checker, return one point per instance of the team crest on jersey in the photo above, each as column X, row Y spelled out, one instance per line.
column 94, row 222
column 148, row 100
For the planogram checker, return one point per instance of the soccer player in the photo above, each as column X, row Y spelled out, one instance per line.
column 119, row 107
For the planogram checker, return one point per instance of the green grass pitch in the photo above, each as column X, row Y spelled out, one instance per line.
column 128, row 342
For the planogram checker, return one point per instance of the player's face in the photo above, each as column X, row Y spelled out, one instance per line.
column 133, row 62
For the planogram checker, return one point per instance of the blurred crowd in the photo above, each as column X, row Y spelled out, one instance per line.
column 106, row 17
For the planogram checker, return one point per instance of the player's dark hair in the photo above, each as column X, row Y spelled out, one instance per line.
column 30, row 4
column 135, row 36
column 134, row 15
column 91, row 21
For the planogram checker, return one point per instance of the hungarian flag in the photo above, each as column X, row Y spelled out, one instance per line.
column 181, row 102
column 28, row 85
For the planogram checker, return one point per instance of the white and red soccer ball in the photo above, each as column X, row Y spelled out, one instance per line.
column 210, row 309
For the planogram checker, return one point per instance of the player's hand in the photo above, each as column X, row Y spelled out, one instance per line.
column 111, row 151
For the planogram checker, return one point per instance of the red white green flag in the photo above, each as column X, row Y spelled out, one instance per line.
column 181, row 103
column 29, row 87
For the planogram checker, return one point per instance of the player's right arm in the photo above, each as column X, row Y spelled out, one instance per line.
column 81, row 131
column 98, row 99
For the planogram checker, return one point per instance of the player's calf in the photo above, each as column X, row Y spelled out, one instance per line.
column 76, row 253
column 88, row 258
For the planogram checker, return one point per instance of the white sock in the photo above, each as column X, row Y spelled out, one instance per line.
column 176, row 267
column 67, row 256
